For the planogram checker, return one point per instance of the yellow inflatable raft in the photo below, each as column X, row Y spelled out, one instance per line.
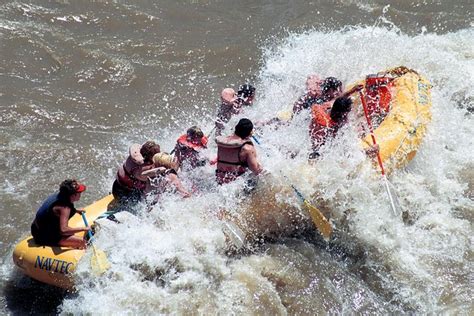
column 55, row 265
column 401, row 132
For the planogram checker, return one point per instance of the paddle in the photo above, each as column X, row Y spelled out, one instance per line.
column 394, row 204
column 99, row 262
column 212, row 130
column 234, row 233
column 319, row 220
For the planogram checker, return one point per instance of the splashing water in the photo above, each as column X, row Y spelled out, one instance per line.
column 174, row 258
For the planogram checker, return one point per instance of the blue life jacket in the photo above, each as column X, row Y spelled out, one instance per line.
column 45, row 227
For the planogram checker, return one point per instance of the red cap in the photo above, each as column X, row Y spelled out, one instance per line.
column 80, row 188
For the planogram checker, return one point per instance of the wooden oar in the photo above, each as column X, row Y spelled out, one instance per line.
column 319, row 220
column 99, row 262
column 394, row 204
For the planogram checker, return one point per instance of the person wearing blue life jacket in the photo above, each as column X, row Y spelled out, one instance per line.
column 50, row 227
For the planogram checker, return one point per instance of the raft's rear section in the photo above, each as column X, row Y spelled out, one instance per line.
column 55, row 265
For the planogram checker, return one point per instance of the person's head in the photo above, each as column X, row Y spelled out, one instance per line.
column 244, row 128
column 194, row 135
column 228, row 96
column 71, row 190
column 246, row 93
column 341, row 107
column 165, row 160
column 313, row 85
column 331, row 88
column 148, row 150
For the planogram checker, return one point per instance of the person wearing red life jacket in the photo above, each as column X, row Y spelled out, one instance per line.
column 188, row 147
column 326, row 121
column 320, row 92
column 236, row 154
column 130, row 183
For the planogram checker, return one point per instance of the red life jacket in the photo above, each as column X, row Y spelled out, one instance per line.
column 321, row 125
column 229, row 165
column 183, row 140
column 186, row 150
column 378, row 94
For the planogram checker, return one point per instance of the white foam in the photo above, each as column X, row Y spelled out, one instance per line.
column 174, row 260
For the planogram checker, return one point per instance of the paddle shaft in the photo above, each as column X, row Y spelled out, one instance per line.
column 212, row 130
column 298, row 193
column 371, row 129
column 256, row 140
column 390, row 196
column 321, row 222
column 379, row 159
column 99, row 261
column 83, row 214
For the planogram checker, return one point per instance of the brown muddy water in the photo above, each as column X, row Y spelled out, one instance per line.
column 82, row 80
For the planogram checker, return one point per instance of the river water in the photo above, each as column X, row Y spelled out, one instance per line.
column 81, row 80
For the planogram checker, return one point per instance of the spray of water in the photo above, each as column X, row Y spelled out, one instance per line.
column 174, row 258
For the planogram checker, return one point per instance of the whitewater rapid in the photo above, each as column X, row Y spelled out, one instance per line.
column 174, row 259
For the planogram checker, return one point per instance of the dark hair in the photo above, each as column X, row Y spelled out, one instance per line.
column 246, row 90
column 244, row 128
column 331, row 83
column 194, row 132
column 340, row 107
column 67, row 188
column 149, row 149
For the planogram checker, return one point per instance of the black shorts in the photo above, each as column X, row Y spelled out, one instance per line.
column 123, row 194
column 44, row 238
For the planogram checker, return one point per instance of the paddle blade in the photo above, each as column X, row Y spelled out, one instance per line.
column 234, row 234
column 319, row 220
column 392, row 197
column 99, row 262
